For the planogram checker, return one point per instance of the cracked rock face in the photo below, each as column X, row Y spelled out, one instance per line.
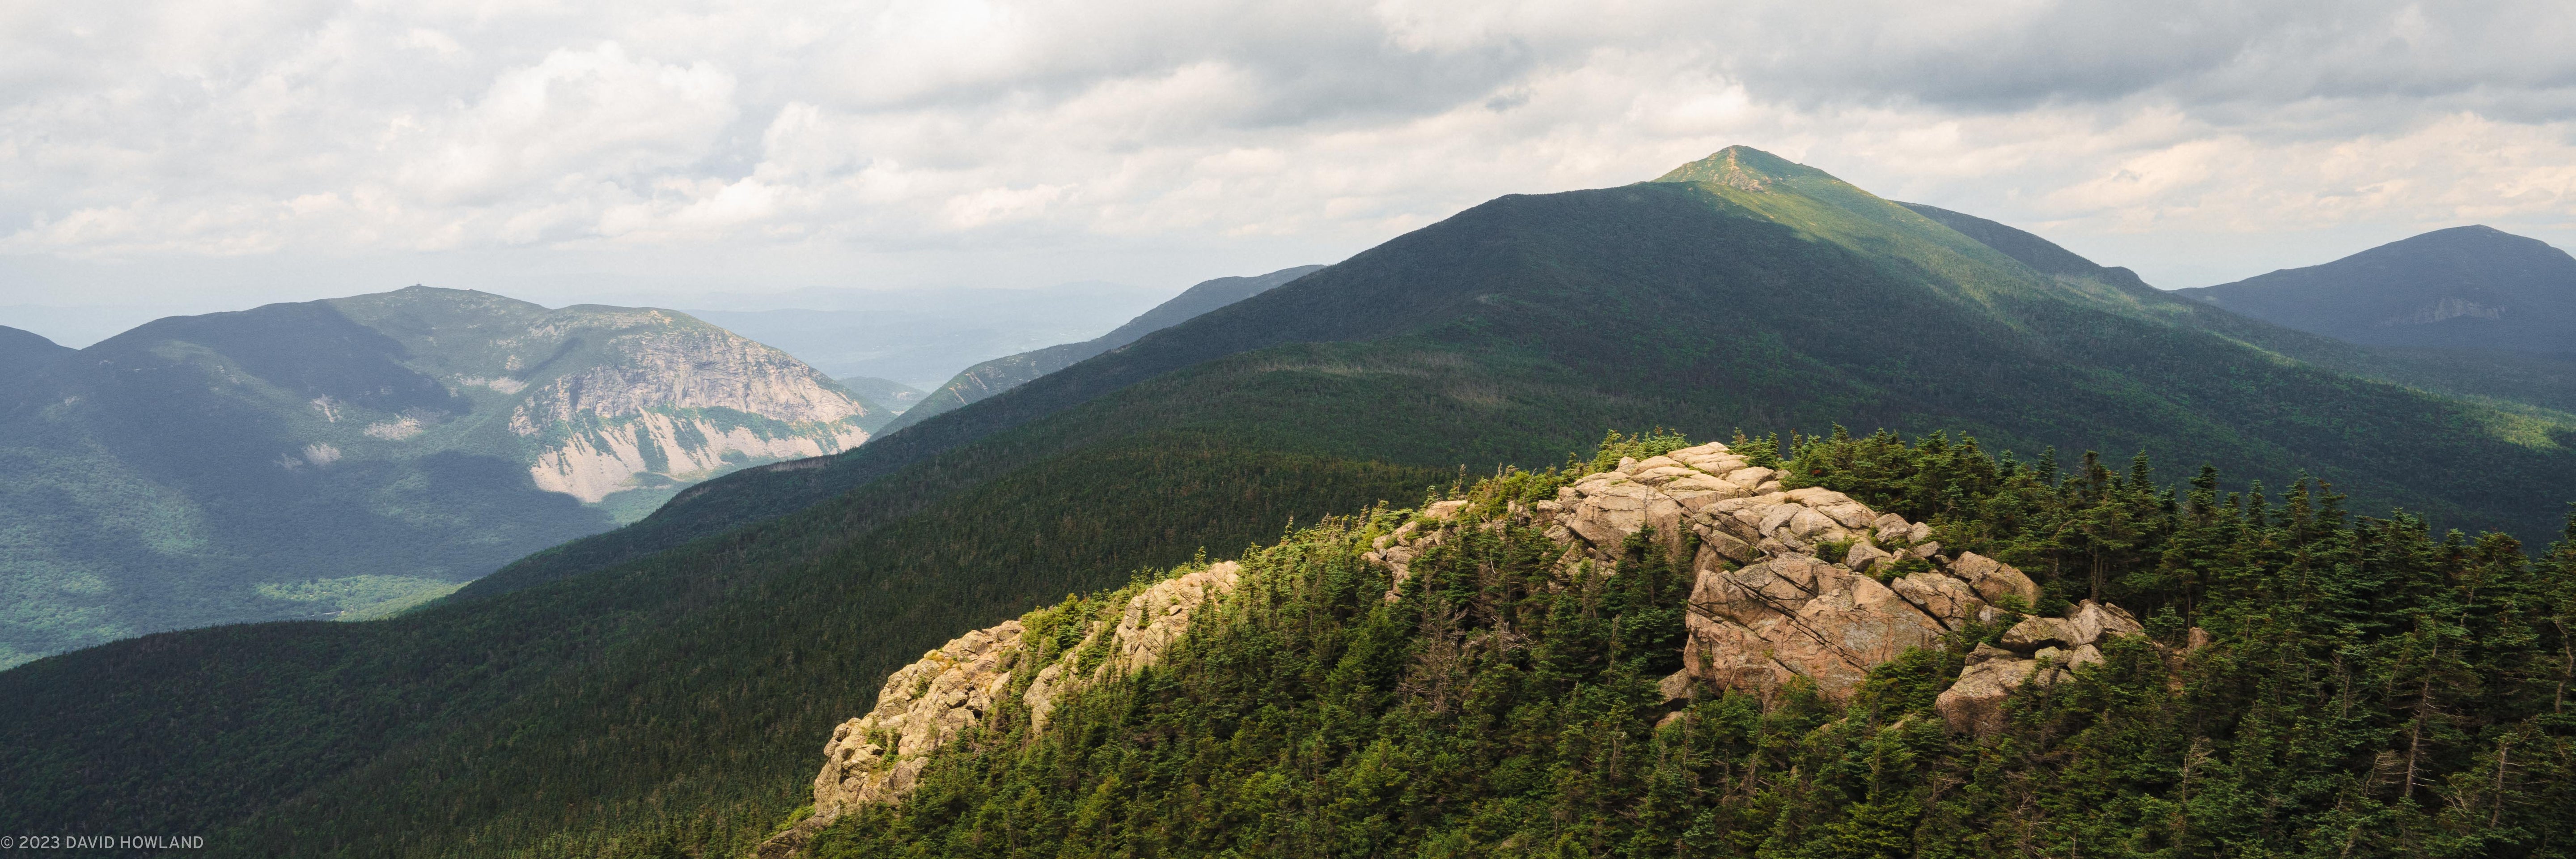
column 1768, row 606
column 1797, row 616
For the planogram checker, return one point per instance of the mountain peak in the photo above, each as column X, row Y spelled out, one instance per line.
column 1743, row 168
column 2474, row 287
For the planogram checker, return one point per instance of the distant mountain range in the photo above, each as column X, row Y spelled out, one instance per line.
column 666, row 688
column 1004, row 373
column 2471, row 287
column 354, row 456
column 920, row 337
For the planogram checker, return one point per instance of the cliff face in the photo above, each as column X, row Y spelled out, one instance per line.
column 681, row 402
column 610, row 399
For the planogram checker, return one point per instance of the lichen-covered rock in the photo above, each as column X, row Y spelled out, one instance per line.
column 2086, row 624
column 1993, row 579
column 1864, row 557
column 1797, row 616
column 2097, row 621
column 1716, row 545
column 1975, row 704
column 1945, row 599
column 2035, row 633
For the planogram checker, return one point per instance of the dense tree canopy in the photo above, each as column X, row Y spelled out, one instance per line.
column 2369, row 689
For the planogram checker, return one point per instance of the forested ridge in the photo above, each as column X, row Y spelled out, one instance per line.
column 2366, row 688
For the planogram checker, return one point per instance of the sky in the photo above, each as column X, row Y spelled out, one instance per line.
column 196, row 155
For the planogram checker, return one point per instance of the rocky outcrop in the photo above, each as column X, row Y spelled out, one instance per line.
column 923, row 706
column 1150, row 623
column 1790, row 583
column 2042, row 650
column 927, row 705
column 1408, row 541
column 1809, row 583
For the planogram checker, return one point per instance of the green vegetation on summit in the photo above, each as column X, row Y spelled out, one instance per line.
column 347, row 457
column 666, row 686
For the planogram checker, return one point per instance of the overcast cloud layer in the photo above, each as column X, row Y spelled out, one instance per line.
column 232, row 151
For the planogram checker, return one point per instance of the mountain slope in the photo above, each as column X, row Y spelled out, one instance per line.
column 1001, row 374
column 23, row 351
column 362, row 454
column 2040, row 254
column 2511, row 378
column 1422, row 292
column 2471, row 287
column 672, row 680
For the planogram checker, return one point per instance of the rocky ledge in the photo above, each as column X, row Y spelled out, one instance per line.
column 875, row 758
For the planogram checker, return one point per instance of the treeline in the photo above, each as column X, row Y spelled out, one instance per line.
column 2370, row 689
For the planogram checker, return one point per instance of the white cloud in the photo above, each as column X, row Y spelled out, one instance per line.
column 1112, row 133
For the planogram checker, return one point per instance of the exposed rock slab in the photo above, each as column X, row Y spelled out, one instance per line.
column 875, row 758
column 923, row 706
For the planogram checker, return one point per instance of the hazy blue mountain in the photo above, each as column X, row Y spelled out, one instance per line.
column 921, row 337
column 895, row 396
column 356, row 455
column 2471, row 287
column 1004, row 373
column 24, row 351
